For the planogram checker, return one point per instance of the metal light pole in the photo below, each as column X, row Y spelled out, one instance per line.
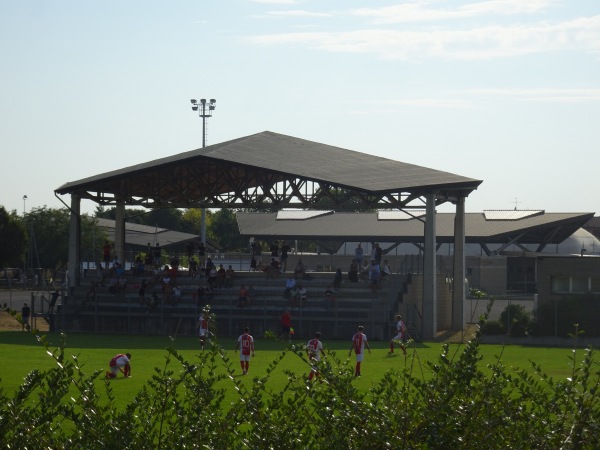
column 24, row 199
column 205, row 113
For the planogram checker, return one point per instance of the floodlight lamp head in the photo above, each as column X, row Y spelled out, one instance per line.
column 213, row 101
column 193, row 101
column 194, row 107
column 203, row 101
column 211, row 107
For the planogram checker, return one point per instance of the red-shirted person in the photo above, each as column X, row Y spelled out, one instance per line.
column 245, row 344
column 286, row 325
column 359, row 342
column 203, row 327
column 118, row 363
column 314, row 349
column 400, row 335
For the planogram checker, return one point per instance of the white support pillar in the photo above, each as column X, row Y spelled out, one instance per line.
column 120, row 231
column 429, row 272
column 73, row 265
column 458, row 288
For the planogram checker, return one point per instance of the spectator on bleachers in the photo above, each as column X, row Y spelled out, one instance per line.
column 176, row 294
column 273, row 269
column 251, row 295
column 300, row 269
column 243, row 297
column 212, row 277
column 253, row 264
column 386, row 269
column 193, row 270
column 302, row 295
column 229, row 276
column 221, row 276
column 289, row 284
column 374, row 276
column 139, row 266
column 142, row 293
column 353, row 272
column 337, row 279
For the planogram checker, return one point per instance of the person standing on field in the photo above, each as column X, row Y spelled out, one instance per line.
column 359, row 342
column 245, row 344
column 314, row 349
column 203, row 327
column 118, row 363
column 400, row 334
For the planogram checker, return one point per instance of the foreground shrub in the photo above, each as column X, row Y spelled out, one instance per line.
column 457, row 406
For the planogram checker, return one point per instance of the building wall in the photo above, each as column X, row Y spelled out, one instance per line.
column 571, row 267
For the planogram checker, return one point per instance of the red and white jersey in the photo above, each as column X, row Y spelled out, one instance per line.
column 203, row 321
column 314, row 348
column 358, row 340
column 246, row 344
column 119, row 361
column 400, row 328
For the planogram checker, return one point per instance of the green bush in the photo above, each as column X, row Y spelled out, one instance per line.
column 516, row 320
column 457, row 405
column 492, row 327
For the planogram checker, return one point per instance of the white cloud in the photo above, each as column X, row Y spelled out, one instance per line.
column 297, row 13
column 276, row 2
column 468, row 44
column 418, row 11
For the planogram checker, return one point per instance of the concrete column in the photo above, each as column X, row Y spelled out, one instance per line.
column 73, row 265
column 429, row 272
column 120, row 231
column 458, row 288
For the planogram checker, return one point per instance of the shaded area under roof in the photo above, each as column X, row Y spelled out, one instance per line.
column 244, row 172
column 141, row 235
column 547, row 228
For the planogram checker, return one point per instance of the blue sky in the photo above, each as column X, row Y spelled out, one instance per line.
column 507, row 91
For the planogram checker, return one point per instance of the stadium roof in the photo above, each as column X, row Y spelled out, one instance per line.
column 271, row 170
column 489, row 227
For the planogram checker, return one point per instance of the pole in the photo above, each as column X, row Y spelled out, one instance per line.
column 203, row 220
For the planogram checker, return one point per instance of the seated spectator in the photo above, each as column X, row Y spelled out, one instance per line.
column 353, row 272
column 243, row 297
column 212, row 277
column 253, row 264
column 386, row 269
column 329, row 298
column 273, row 269
column 193, row 270
column 302, row 295
column 176, row 294
column 139, row 266
column 365, row 271
column 221, row 276
column 337, row 279
column 289, row 284
column 229, row 276
column 299, row 270
column 251, row 295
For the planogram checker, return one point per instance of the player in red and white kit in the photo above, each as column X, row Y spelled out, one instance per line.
column 359, row 342
column 119, row 362
column 314, row 349
column 400, row 335
column 203, row 328
column 245, row 344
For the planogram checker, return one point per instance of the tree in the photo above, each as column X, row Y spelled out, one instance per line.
column 48, row 231
column 225, row 229
column 13, row 238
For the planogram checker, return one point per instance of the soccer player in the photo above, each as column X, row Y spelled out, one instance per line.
column 245, row 344
column 314, row 349
column 400, row 335
column 118, row 363
column 359, row 342
column 203, row 327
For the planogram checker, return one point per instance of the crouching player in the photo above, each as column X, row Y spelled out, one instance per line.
column 118, row 363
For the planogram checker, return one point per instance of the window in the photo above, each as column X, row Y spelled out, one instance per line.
column 561, row 285
column 595, row 285
column 579, row 285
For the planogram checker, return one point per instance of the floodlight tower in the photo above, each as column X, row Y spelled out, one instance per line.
column 205, row 111
column 24, row 200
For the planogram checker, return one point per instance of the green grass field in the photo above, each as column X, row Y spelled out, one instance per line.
column 20, row 353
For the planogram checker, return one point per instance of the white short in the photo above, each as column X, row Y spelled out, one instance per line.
column 203, row 332
column 399, row 337
column 244, row 357
column 359, row 357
